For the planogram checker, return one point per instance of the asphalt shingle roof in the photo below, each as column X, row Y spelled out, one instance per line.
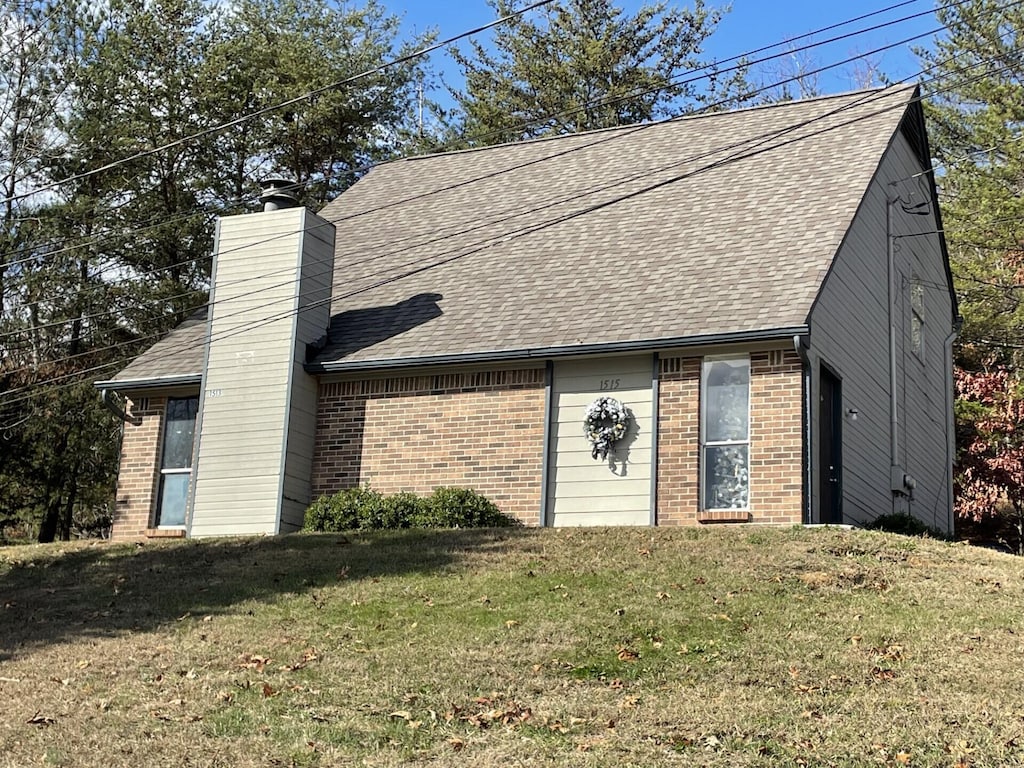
column 716, row 224
column 178, row 355
column 700, row 226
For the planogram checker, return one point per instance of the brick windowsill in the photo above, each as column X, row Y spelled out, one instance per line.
column 723, row 516
column 165, row 533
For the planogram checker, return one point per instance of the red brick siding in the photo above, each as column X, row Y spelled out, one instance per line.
column 477, row 430
column 776, row 438
column 776, row 453
column 678, row 496
column 139, row 469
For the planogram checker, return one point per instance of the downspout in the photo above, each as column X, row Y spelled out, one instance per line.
column 894, row 418
column 800, row 346
column 958, row 324
column 114, row 408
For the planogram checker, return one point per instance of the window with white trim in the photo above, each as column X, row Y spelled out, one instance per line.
column 725, row 433
column 917, row 316
column 176, row 461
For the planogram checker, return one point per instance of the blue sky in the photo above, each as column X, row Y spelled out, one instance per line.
column 751, row 24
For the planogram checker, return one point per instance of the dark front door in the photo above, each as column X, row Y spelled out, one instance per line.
column 830, row 444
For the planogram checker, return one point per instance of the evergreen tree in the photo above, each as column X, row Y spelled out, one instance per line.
column 96, row 268
column 976, row 111
column 585, row 64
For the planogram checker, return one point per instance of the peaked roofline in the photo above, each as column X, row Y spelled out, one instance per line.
column 633, row 127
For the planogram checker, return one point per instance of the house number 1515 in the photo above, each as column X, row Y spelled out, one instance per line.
column 607, row 384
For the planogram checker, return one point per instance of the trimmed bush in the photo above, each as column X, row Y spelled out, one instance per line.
column 344, row 511
column 461, row 508
column 363, row 509
column 400, row 510
column 902, row 523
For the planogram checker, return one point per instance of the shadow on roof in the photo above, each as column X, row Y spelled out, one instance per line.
column 362, row 328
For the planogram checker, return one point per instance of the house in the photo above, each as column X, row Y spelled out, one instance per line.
column 765, row 292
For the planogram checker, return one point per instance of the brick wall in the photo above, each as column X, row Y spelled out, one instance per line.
column 480, row 430
column 139, row 469
column 776, row 439
column 678, row 440
column 776, row 453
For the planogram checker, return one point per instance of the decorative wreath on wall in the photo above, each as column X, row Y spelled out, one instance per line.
column 605, row 423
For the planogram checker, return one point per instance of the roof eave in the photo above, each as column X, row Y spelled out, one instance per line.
column 614, row 347
column 160, row 382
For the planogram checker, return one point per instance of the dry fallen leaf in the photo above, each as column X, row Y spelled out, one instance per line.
column 268, row 691
column 40, row 719
column 625, row 653
column 250, row 661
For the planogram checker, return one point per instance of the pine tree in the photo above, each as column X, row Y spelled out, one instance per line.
column 976, row 109
column 585, row 64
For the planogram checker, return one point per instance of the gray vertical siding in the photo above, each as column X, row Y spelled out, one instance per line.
column 312, row 304
column 251, row 469
column 849, row 332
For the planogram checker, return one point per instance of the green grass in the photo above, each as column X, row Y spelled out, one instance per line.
column 621, row 647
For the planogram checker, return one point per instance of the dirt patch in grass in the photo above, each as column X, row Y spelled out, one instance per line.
column 716, row 647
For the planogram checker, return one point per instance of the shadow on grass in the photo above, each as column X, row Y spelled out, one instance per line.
column 64, row 593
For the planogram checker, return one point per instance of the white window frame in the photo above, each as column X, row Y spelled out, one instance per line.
column 165, row 471
column 706, row 366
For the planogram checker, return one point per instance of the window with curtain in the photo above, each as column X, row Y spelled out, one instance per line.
column 725, row 433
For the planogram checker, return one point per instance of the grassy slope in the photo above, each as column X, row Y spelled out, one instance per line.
column 525, row 647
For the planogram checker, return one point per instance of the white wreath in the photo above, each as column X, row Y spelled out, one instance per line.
column 605, row 423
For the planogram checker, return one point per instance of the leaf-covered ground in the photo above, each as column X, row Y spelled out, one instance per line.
column 620, row 647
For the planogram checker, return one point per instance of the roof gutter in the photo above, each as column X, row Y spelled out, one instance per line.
column 132, row 385
column 547, row 353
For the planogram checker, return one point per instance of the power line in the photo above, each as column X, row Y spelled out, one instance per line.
column 683, row 79
column 680, row 80
column 520, row 233
column 274, row 107
column 164, row 223
column 391, row 279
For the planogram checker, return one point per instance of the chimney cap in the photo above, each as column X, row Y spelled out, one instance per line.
column 279, row 192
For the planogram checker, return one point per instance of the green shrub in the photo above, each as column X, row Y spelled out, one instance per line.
column 902, row 523
column 400, row 510
column 361, row 508
column 461, row 508
column 344, row 511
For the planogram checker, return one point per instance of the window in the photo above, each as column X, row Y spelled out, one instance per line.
column 917, row 317
column 176, row 461
column 725, row 433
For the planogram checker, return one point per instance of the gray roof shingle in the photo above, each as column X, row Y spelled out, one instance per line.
column 717, row 224
column 708, row 225
column 177, row 357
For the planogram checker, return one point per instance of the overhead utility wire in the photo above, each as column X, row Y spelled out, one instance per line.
column 607, row 138
column 485, row 224
column 523, row 232
column 158, row 224
column 419, row 53
column 774, row 85
column 707, row 70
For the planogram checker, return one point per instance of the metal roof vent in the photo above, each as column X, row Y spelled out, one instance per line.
column 279, row 193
